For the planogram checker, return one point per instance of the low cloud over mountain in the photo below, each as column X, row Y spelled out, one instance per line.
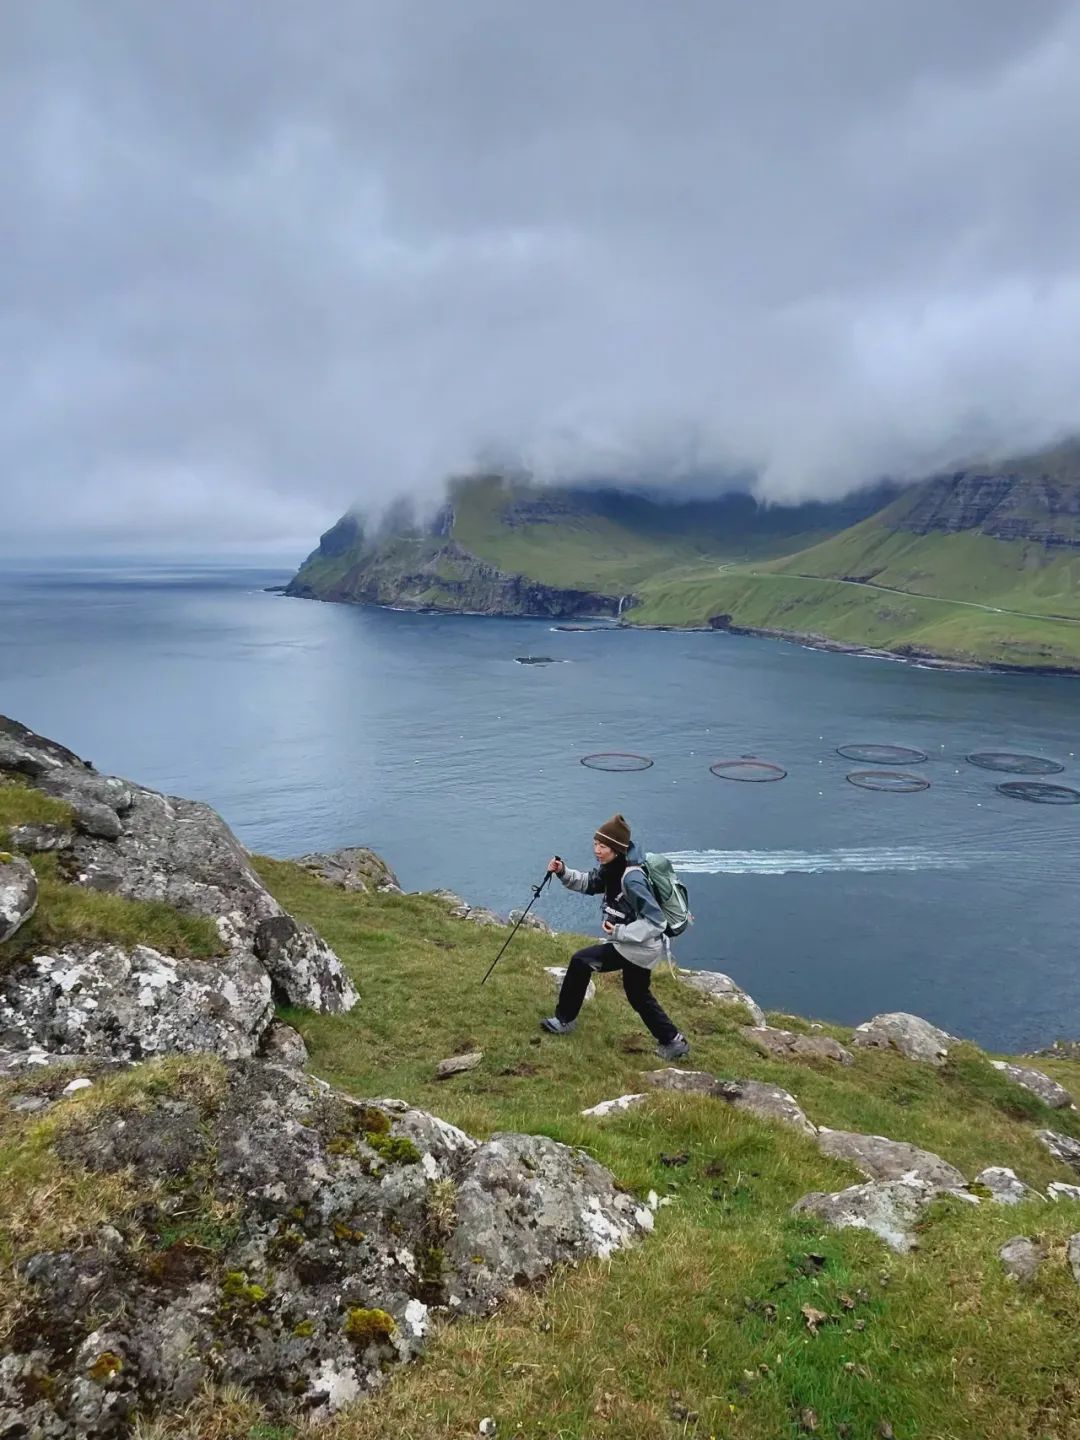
column 262, row 259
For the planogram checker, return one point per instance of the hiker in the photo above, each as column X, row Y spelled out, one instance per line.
column 635, row 926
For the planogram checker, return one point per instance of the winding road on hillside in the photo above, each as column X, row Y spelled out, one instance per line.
column 915, row 595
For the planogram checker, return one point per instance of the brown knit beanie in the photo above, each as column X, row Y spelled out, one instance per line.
column 616, row 833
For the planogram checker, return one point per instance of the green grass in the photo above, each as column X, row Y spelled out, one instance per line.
column 856, row 615
column 705, row 1317
column 701, row 1330
column 22, row 805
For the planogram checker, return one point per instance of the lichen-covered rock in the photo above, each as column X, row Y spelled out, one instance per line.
column 130, row 1004
column 531, row 921
column 1021, row 1257
column 789, row 1045
column 617, row 1106
column 18, row 893
column 354, row 868
column 722, row 989
column 159, row 847
column 697, row 1082
column 1062, row 1147
column 282, row 1045
column 458, row 1064
column 1004, row 1185
column 298, row 1248
column 1059, row 1190
column 1072, row 1253
column 94, row 818
column 1047, row 1090
column 462, row 910
column 889, row 1209
column 35, row 839
column 302, row 966
column 526, row 1204
column 770, row 1102
column 909, row 1034
column 882, row 1159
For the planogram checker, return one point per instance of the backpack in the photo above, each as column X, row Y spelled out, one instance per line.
column 669, row 893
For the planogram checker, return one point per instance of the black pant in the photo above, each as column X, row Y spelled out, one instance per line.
column 636, row 983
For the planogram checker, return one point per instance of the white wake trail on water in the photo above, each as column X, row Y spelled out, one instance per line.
column 804, row 862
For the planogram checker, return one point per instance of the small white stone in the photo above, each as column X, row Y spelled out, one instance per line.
column 75, row 1085
column 487, row 1426
column 611, row 1107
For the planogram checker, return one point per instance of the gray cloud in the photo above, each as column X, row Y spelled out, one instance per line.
column 263, row 259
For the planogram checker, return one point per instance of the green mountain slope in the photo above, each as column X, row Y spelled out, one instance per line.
column 982, row 566
column 521, row 549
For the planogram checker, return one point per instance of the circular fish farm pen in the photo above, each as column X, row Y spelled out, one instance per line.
column 621, row 760
column 882, row 754
column 1039, row 793
column 747, row 769
column 896, row 782
column 1014, row 764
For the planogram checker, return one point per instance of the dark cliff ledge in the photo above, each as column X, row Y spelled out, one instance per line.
column 428, row 572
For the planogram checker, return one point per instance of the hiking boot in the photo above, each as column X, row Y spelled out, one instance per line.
column 676, row 1049
column 556, row 1026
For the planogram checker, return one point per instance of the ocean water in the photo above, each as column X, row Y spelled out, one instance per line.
column 311, row 726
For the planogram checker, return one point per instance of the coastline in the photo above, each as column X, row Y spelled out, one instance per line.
column 920, row 659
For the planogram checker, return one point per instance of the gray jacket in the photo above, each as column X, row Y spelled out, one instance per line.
column 641, row 940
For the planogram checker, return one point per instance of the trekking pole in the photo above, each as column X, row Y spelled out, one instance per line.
column 536, row 889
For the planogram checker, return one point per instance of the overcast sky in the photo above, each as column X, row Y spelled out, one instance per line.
column 260, row 259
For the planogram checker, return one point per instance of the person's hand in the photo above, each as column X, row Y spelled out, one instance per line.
column 608, row 928
column 555, row 866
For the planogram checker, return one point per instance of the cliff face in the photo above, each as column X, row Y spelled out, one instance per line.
column 1034, row 500
column 431, row 572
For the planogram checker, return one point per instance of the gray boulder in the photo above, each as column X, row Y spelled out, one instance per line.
column 1059, row 1190
column 1004, row 1186
column 888, row 1209
column 18, row 893
column 1073, row 1256
column 354, row 868
column 882, row 1159
column 461, row 910
column 770, row 1102
column 34, row 839
column 909, row 1034
column 350, row 1223
column 531, row 922
column 282, row 1045
column 790, row 1045
column 1021, row 1257
column 1047, row 1090
column 722, row 989
column 94, row 818
column 129, row 1004
column 180, row 852
column 1062, row 1147
column 695, row 1082
column 458, row 1064
column 618, row 1106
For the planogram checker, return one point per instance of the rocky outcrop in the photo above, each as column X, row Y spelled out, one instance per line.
column 1047, row 1090
column 768, row 1102
column 790, row 1045
column 354, row 868
column 722, row 989
column 180, row 852
column 134, row 1003
column 347, row 1224
column 1036, row 499
column 882, row 1159
column 912, row 1036
column 18, row 893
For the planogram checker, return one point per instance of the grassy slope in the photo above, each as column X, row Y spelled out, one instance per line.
column 614, row 546
column 706, row 1315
